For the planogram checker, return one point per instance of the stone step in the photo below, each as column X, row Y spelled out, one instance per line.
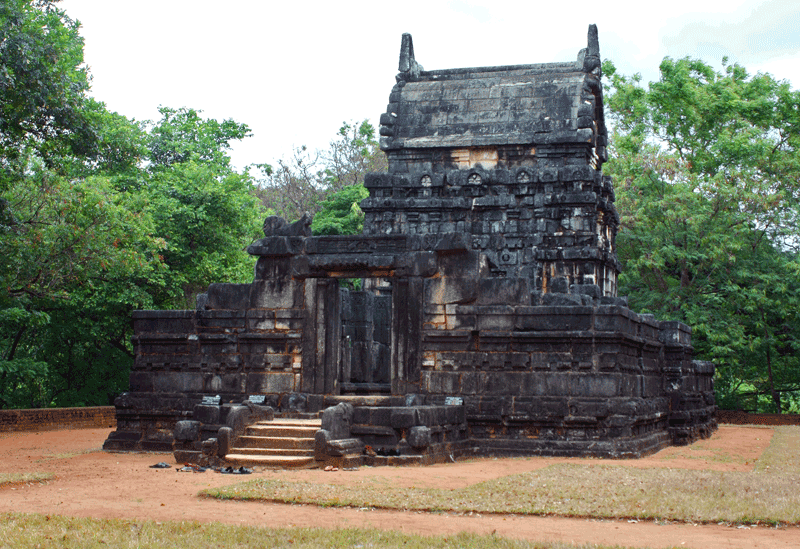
column 296, row 422
column 269, row 430
column 298, row 415
column 248, row 460
column 299, row 443
column 272, row 451
column 280, row 443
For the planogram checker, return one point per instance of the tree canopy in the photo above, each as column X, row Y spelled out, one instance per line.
column 100, row 215
column 341, row 213
column 306, row 181
column 707, row 178
column 43, row 83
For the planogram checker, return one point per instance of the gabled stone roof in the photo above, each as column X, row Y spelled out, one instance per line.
column 507, row 105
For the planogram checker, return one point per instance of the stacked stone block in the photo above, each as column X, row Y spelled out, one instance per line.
column 183, row 356
column 537, row 230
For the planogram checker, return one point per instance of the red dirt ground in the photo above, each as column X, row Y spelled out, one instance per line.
column 93, row 483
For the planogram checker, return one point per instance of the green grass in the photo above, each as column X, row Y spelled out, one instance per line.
column 67, row 455
column 768, row 494
column 783, row 453
column 7, row 479
column 35, row 531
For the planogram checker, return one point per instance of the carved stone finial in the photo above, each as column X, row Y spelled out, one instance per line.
column 408, row 64
column 591, row 60
column 277, row 226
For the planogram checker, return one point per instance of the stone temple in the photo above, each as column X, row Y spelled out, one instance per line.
column 488, row 321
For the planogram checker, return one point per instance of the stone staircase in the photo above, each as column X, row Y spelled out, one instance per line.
column 280, row 443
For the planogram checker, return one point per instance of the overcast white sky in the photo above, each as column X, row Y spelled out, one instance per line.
column 293, row 71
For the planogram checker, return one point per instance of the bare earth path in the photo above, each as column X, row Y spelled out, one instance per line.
column 93, row 483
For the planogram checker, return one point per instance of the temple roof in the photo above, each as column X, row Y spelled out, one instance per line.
column 506, row 105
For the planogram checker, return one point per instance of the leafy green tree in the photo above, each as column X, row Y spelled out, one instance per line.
column 42, row 87
column 340, row 212
column 22, row 378
column 353, row 154
column 707, row 180
column 99, row 215
column 120, row 147
column 204, row 209
column 182, row 135
column 85, row 246
column 75, row 255
column 66, row 232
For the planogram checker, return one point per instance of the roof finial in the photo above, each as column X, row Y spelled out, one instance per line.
column 408, row 64
column 591, row 63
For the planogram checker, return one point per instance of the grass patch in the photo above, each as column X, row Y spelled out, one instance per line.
column 67, row 455
column 10, row 479
column 768, row 494
column 33, row 531
column 567, row 490
column 782, row 453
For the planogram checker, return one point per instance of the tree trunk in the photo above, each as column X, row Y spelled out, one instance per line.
column 776, row 397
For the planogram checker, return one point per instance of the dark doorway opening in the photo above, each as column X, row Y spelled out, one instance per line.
column 366, row 337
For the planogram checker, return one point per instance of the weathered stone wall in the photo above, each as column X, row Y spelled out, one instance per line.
column 182, row 356
column 591, row 377
column 536, row 223
column 494, row 116
column 53, row 419
column 570, row 365
column 419, row 428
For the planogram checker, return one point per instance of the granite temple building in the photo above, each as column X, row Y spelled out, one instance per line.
column 488, row 321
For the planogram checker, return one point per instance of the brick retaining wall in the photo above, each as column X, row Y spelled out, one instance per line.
column 735, row 417
column 51, row 419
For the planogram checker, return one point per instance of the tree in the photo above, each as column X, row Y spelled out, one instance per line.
column 204, row 210
column 83, row 247
column 77, row 257
column 99, row 215
column 206, row 220
column 340, row 213
column 182, row 135
column 42, row 87
column 353, row 154
column 296, row 186
column 302, row 183
column 708, row 181
column 120, row 147
column 66, row 233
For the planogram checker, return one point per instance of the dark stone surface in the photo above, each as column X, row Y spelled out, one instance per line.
column 277, row 226
column 337, row 420
column 206, row 414
column 419, row 437
column 239, row 417
column 321, row 439
column 187, row 431
column 225, row 438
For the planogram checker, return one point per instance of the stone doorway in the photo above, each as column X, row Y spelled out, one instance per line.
column 366, row 337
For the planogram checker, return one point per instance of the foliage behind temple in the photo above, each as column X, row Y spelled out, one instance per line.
column 99, row 215
column 707, row 176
